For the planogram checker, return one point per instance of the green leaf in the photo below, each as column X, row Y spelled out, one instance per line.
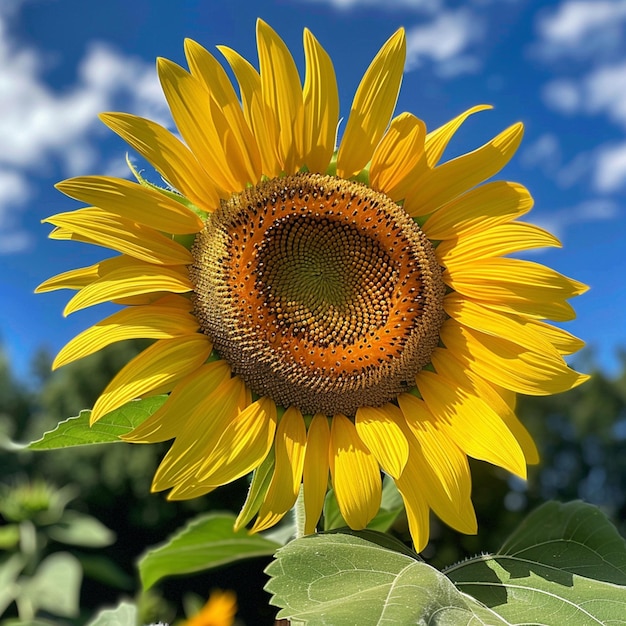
column 332, row 515
column 79, row 529
column 55, row 586
column 343, row 580
column 391, row 506
column 75, row 431
column 9, row 536
column 566, row 564
column 208, row 541
column 10, row 569
column 123, row 615
column 261, row 478
column 106, row 571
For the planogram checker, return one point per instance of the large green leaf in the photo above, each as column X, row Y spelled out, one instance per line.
column 80, row 529
column 347, row 579
column 208, row 541
column 566, row 564
column 76, row 431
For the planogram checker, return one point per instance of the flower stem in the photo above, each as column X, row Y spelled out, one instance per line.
column 299, row 514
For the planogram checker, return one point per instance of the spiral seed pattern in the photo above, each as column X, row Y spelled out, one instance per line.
column 319, row 292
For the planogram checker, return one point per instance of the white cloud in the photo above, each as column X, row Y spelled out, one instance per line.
column 40, row 126
column 543, row 153
column 610, row 168
column 37, row 122
column 546, row 155
column 579, row 168
column 444, row 42
column 606, row 92
column 603, row 90
column 581, row 29
column 423, row 6
column 594, row 210
column 563, row 95
column 14, row 193
column 574, row 20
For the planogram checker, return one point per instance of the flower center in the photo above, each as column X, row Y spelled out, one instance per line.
column 319, row 292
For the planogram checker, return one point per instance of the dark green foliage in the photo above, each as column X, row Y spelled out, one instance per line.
column 580, row 435
column 111, row 483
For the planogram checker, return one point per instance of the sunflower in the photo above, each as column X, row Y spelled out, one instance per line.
column 219, row 610
column 318, row 313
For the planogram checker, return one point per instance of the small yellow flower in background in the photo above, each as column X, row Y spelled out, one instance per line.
column 333, row 313
column 219, row 610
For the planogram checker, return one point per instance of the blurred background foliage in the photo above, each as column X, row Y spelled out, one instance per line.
column 580, row 435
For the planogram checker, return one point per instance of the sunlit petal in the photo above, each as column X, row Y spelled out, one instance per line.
column 355, row 474
column 372, row 106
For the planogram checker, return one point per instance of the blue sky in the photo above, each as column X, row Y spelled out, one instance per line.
column 558, row 66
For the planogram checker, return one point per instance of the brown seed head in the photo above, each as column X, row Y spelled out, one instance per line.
column 319, row 292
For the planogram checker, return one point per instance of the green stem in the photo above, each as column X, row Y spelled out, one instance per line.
column 299, row 514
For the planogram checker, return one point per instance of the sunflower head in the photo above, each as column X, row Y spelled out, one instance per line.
column 318, row 312
column 320, row 292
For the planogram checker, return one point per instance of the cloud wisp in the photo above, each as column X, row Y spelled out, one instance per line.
column 593, row 210
column 419, row 6
column 581, row 29
column 445, row 42
column 41, row 127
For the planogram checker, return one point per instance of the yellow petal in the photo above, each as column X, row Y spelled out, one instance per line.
column 443, row 457
column 204, row 128
column 133, row 202
column 164, row 362
column 321, row 106
column 256, row 111
column 282, row 94
column 509, row 365
column 130, row 280
column 379, row 429
column 180, row 469
column 172, row 159
column 206, row 68
column 147, row 322
column 141, row 300
column 446, row 492
column 372, row 106
column 399, row 159
column 486, row 206
column 83, row 276
column 467, row 420
column 438, row 139
column 290, row 449
column 446, row 364
column 417, row 510
column 315, row 472
column 126, row 236
column 243, row 445
column 563, row 341
column 497, row 324
column 522, row 286
column 194, row 393
column 198, row 433
column 189, row 490
column 454, row 177
column 495, row 241
column 355, row 474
